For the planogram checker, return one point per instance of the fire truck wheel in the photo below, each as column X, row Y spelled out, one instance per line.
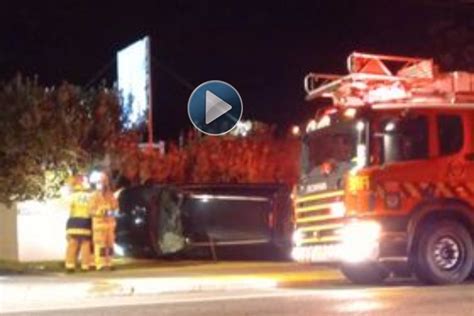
column 471, row 276
column 444, row 253
column 365, row 273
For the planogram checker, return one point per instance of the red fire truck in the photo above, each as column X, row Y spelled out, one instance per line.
column 387, row 181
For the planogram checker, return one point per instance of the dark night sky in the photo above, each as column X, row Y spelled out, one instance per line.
column 263, row 48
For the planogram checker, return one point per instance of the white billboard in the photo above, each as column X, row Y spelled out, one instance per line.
column 134, row 83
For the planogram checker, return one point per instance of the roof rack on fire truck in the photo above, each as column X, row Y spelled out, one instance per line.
column 382, row 78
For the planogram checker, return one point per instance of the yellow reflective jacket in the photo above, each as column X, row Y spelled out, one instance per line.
column 80, row 205
column 103, row 204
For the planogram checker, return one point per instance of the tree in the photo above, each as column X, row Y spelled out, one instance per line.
column 47, row 133
column 256, row 158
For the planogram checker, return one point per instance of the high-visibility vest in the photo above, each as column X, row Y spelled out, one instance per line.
column 79, row 222
column 80, row 205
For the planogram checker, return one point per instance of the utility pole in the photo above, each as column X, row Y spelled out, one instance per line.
column 150, row 99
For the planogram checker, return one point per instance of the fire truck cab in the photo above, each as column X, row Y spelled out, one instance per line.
column 388, row 172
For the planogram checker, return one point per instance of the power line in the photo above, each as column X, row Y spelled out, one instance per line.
column 180, row 79
column 154, row 62
column 100, row 73
column 172, row 73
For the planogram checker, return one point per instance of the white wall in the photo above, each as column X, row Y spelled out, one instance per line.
column 34, row 231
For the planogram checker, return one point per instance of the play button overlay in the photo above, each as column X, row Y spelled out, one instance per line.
column 215, row 107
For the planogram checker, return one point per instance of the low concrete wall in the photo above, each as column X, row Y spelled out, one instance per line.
column 34, row 231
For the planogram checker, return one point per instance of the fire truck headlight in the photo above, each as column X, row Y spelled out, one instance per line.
column 297, row 237
column 338, row 209
column 360, row 241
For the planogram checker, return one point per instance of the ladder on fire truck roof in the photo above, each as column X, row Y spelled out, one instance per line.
column 381, row 78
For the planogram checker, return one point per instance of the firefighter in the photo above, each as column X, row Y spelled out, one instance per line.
column 78, row 227
column 103, row 208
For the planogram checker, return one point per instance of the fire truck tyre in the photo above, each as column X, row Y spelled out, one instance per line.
column 444, row 253
column 471, row 276
column 365, row 273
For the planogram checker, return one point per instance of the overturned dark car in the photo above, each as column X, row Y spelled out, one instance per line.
column 164, row 220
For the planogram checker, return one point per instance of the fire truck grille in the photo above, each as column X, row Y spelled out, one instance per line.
column 315, row 220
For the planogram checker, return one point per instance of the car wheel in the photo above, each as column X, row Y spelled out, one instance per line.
column 444, row 253
column 365, row 273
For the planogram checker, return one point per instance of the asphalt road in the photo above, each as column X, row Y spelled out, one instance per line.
column 396, row 298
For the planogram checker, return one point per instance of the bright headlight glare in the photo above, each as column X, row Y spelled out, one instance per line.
column 338, row 209
column 361, row 232
column 360, row 241
column 296, row 254
column 297, row 237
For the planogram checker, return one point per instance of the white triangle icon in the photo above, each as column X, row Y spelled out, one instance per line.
column 215, row 107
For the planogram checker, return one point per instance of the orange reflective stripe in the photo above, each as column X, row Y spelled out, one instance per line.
column 445, row 190
column 470, row 186
column 380, row 191
column 412, row 189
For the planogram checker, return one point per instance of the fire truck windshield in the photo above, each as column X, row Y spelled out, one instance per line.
column 334, row 144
